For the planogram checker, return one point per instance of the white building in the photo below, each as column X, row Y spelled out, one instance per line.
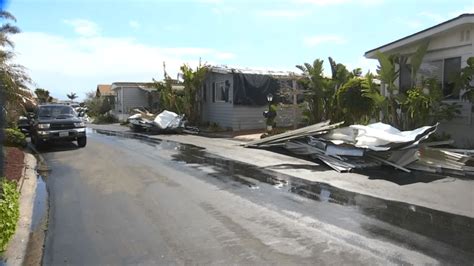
column 131, row 95
column 450, row 45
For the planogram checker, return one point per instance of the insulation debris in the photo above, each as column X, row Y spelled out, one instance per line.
column 164, row 122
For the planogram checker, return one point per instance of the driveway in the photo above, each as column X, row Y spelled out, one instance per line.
column 129, row 201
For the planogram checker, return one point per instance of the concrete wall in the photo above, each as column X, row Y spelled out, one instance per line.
column 217, row 112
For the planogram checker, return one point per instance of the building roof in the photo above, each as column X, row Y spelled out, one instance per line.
column 457, row 21
column 104, row 90
column 139, row 85
column 120, row 84
column 231, row 70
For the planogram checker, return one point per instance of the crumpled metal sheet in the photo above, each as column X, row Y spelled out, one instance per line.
column 383, row 137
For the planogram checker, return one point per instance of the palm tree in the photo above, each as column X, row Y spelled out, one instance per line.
column 72, row 96
column 319, row 91
column 14, row 93
column 43, row 95
column 388, row 74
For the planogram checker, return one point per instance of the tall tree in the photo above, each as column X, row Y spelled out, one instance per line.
column 43, row 95
column 72, row 96
column 13, row 77
column 14, row 93
column 192, row 81
column 320, row 90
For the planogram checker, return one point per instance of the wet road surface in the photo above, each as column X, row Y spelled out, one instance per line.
column 131, row 201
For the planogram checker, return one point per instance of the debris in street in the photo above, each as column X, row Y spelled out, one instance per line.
column 358, row 146
column 164, row 122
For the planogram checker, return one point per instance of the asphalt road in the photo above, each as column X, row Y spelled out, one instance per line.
column 126, row 201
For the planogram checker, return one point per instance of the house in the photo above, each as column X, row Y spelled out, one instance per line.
column 131, row 95
column 105, row 92
column 450, row 45
column 236, row 98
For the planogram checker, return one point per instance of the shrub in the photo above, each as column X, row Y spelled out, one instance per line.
column 9, row 211
column 105, row 119
column 14, row 137
column 356, row 108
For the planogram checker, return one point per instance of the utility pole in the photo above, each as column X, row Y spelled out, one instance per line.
column 295, row 103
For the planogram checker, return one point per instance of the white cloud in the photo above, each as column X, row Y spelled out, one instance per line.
column 321, row 39
column 338, row 2
column 438, row 18
column 365, row 64
column 323, row 2
column 221, row 10
column 466, row 9
column 173, row 27
column 84, row 27
column 209, row 1
column 134, row 24
column 283, row 13
column 432, row 16
column 82, row 62
column 411, row 23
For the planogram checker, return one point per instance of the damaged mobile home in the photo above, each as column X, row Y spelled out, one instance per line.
column 236, row 98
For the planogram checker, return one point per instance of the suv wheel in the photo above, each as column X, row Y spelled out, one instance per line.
column 81, row 142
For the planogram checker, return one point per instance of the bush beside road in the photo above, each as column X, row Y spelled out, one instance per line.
column 9, row 211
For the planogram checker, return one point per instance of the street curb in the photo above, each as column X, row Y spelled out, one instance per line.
column 17, row 247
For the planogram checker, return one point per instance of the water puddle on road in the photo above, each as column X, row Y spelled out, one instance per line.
column 454, row 230
column 40, row 204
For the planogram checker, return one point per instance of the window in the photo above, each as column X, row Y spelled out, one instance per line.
column 405, row 77
column 431, row 70
column 213, row 92
column 204, row 93
column 465, row 35
column 56, row 111
column 445, row 71
column 221, row 91
column 452, row 68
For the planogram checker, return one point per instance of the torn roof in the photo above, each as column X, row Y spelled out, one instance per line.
column 230, row 70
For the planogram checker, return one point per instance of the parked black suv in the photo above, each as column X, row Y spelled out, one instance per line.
column 53, row 122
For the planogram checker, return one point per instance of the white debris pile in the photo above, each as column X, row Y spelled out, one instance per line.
column 358, row 146
column 164, row 122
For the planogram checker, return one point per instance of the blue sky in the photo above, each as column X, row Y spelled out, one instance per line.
column 71, row 46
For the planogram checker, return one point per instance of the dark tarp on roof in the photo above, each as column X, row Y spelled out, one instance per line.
column 252, row 89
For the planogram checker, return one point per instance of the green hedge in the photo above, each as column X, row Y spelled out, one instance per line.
column 9, row 211
column 14, row 137
column 105, row 119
